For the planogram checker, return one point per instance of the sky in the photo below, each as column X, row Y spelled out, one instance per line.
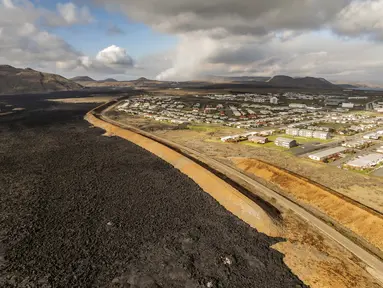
column 340, row 40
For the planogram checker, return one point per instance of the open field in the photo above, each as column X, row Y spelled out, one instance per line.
column 79, row 209
column 365, row 189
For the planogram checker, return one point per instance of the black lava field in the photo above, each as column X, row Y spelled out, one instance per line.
column 78, row 209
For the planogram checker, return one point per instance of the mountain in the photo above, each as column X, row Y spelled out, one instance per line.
column 82, row 79
column 15, row 80
column 225, row 79
column 109, row 80
column 347, row 86
column 305, row 82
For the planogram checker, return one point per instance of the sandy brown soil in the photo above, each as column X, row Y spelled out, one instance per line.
column 97, row 99
column 319, row 261
column 358, row 220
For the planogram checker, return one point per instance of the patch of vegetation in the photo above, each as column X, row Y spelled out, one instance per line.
column 203, row 128
column 299, row 139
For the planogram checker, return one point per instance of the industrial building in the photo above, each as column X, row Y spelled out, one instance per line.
column 285, row 142
column 258, row 139
column 367, row 161
column 326, row 154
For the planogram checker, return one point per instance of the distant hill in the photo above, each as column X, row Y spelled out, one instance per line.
column 109, row 80
column 305, row 82
column 347, row 86
column 82, row 79
column 224, row 79
column 15, row 80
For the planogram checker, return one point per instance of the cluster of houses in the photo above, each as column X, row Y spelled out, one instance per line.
column 308, row 133
column 260, row 137
column 245, row 97
column 374, row 135
column 357, row 144
column 245, row 115
column 256, row 137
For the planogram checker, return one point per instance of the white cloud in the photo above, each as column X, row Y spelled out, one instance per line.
column 71, row 14
column 361, row 18
column 114, row 55
column 265, row 37
column 24, row 41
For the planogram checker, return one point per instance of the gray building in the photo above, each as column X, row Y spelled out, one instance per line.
column 335, row 100
column 328, row 153
column 292, row 131
column 367, row 161
column 306, row 133
column 321, row 135
column 258, row 139
column 285, row 142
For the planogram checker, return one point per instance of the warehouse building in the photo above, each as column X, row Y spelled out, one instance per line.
column 285, row 142
column 258, row 139
column 326, row 154
column 367, row 161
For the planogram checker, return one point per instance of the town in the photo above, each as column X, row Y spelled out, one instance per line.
column 333, row 129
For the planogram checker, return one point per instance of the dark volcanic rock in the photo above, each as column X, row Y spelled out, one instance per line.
column 81, row 210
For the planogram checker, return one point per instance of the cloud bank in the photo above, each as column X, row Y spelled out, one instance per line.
column 266, row 37
column 25, row 40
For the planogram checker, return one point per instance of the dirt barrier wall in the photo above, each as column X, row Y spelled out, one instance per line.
column 365, row 223
column 230, row 198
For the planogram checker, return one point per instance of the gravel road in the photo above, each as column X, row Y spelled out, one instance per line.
column 81, row 210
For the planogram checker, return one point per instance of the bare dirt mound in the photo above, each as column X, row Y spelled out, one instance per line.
column 355, row 218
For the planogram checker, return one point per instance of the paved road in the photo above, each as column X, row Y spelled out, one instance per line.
column 81, row 210
column 371, row 260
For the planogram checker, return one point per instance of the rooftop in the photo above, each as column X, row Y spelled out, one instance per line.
column 328, row 152
column 366, row 160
